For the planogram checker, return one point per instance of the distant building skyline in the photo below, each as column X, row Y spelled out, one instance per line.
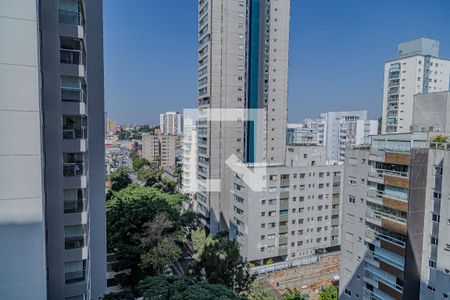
column 334, row 65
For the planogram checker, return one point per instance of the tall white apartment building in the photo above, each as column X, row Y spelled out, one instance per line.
column 345, row 128
column 395, row 211
column 189, row 155
column 52, row 196
column 160, row 147
column 417, row 70
column 242, row 64
column 171, row 123
column 296, row 216
column 310, row 132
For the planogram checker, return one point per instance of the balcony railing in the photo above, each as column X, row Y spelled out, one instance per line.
column 72, row 277
column 378, row 277
column 378, row 215
column 70, row 56
column 72, row 95
column 75, row 206
column 74, row 242
column 70, row 17
column 73, row 169
column 75, row 132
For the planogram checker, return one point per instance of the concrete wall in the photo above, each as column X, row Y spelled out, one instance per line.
column 431, row 112
column 93, row 217
column 353, row 223
column 22, row 235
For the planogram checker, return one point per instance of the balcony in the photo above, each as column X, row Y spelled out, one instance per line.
column 71, row 51
column 74, row 271
column 69, row 56
column 70, row 17
column 71, row 133
column 74, row 242
column 75, row 276
column 74, row 206
column 72, row 95
column 73, row 169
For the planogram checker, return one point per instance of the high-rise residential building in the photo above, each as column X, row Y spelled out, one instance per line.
column 310, row 132
column 395, row 242
column 417, row 70
column 150, row 146
column 345, row 128
column 111, row 126
column 189, row 155
column 162, row 147
column 296, row 217
column 171, row 123
column 52, row 125
column 168, row 147
column 242, row 64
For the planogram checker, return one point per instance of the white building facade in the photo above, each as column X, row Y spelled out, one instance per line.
column 418, row 70
column 171, row 123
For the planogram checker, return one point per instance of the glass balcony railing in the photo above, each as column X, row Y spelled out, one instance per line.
column 76, row 276
column 73, row 206
column 71, row 56
column 74, row 169
column 74, row 242
column 70, row 17
column 378, row 215
column 72, row 95
column 74, row 132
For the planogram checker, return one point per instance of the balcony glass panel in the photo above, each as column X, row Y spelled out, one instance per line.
column 74, row 271
column 74, row 236
column 73, row 201
column 74, row 127
column 70, row 12
column 73, row 164
column 71, row 51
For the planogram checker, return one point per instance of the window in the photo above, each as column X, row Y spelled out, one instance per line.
column 434, row 241
column 348, row 292
column 436, row 217
column 72, row 89
column 74, row 127
column 432, row 264
column 74, row 236
column 73, row 164
column 71, row 51
column 70, row 12
column 73, row 200
column 74, row 271
column 283, row 212
column 351, row 199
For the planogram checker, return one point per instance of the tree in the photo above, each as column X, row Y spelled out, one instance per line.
column 328, row 293
column 120, row 179
column 148, row 176
column 257, row 291
column 123, row 295
column 130, row 213
column 159, row 245
column 140, row 162
column 439, row 139
column 177, row 288
column 295, row 294
column 218, row 261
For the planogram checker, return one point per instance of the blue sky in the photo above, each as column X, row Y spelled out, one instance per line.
column 337, row 52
